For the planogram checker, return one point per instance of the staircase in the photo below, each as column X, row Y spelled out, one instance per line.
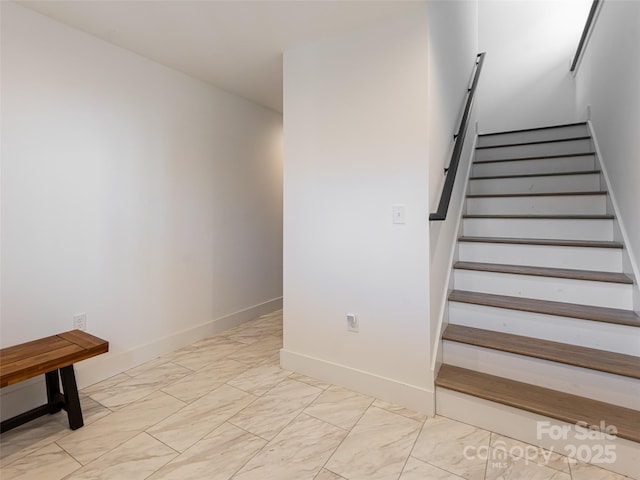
column 541, row 317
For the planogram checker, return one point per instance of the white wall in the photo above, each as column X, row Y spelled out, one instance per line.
column 453, row 46
column 607, row 80
column 529, row 45
column 145, row 198
column 355, row 143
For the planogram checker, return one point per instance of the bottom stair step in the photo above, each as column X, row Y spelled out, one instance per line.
column 542, row 401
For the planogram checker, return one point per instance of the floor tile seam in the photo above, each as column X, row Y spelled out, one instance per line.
column 412, row 446
column 147, row 427
column 253, row 363
column 328, row 470
column 195, row 399
column 297, row 381
column 162, row 364
column 68, row 475
column 398, row 413
column 444, row 469
column 208, row 432
column 99, row 403
column 190, row 403
column 57, row 437
column 567, row 459
column 99, row 456
column 190, row 369
column 298, row 412
column 251, row 457
column 254, row 394
column 414, row 443
column 324, row 389
column 349, row 430
column 133, row 432
column 325, row 421
column 609, row 472
column 178, row 452
column 118, row 446
column 20, row 457
column 155, row 389
column 83, row 390
column 249, row 364
column 246, row 431
column 432, row 464
column 439, row 467
column 266, row 445
column 257, row 397
column 52, row 438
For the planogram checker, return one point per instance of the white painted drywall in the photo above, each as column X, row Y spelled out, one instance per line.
column 529, row 45
column 453, row 46
column 145, row 198
column 355, row 143
column 607, row 80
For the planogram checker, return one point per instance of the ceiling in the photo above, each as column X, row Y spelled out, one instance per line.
column 236, row 45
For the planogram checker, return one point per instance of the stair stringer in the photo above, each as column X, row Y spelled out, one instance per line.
column 629, row 259
column 443, row 311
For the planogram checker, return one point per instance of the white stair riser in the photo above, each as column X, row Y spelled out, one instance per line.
column 564, row 229
column 534, row 135
column 583, row 382
column 603, row 259
column 574, row 331
column 543, row 165
column 583, row 292
column 538, row 149
column 558, row 205
column 563, row 183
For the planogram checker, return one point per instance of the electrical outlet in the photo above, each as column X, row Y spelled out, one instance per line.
column 352, row 323
column 80, row 321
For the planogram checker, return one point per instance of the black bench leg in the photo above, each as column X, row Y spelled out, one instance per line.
column 71, row 399
column 54, row 399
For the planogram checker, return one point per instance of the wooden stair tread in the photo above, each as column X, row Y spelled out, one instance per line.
column 542, row 401
column 591, row 358
column 539, row 157
column 591, row 275
column 529, row 175
column 542, row 216
column 547, row 307
column 535, row 142
column 544, row 241
column 534, row 129
column 537, row 194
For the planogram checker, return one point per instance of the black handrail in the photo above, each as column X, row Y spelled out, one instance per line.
column 585, row 33
column 445, row 198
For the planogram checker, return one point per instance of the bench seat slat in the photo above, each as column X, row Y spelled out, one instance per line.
column 40, row 356
column 23, row 369
column 84, row 340
column 28, row 349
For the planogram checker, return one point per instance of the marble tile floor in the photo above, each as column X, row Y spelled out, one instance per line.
column 177, row 417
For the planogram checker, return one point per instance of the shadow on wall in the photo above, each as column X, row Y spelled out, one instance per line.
column 533, row 99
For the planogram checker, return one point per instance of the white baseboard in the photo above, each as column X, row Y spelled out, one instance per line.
column 234, row 319
column 409, row 396
column 21, row 397
column 523, row 426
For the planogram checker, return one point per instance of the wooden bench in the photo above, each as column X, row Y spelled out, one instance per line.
column 49, row 356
